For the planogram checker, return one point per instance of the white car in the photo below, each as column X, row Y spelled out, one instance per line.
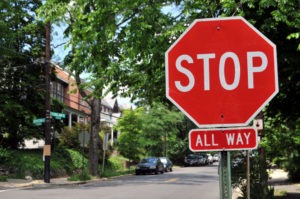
column 210, row 158
column 216, row 157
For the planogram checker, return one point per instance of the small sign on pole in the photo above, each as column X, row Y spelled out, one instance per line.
column 38, row 122
column 258, row 124
column 84, row 138
column 58, row 116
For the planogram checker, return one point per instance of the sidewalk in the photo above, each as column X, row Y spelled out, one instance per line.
column 18, row 183
column 279, row 180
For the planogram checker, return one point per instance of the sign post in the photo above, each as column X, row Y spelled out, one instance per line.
column 225, row 175
column 221, row 72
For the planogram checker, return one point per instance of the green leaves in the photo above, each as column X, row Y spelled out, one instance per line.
column 149, row 133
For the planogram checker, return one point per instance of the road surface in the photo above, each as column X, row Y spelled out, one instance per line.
column 182, row 183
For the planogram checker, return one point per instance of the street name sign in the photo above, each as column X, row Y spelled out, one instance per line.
column 58, row 115
column 223, row 139
column 39, row 121
column 221, row 72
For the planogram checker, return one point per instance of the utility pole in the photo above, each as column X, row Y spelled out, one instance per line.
column 47, row 147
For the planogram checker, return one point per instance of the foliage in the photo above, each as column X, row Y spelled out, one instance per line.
column 30, row 162
column 151, row 132
column 258, row 175
column 63, row 162
column 128, row 143
column 78, row 161
column 3, row 178
column 20, row 83
column 5, row 155
column 281, row 136
column 26, row 163
column 116, row 162
column 111, row 173
column 160, row 130
column 69, row 136
column 80, row 177
column 115, row 167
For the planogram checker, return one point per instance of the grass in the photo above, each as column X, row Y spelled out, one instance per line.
column 64, row 162
column 112, row 173
column 3, row 178
column 280, row 192
column 80, row 177
column 115, row 167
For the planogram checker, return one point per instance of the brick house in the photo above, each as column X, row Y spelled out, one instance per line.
column 64, row 89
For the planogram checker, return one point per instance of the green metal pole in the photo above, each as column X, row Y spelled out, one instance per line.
column 229, row 176
column 225, row 175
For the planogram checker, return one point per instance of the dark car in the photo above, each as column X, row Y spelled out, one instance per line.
column 149, row 165
column 192, row 160
column 168, row 165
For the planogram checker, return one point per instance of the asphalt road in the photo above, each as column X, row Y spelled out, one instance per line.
column 182, row 183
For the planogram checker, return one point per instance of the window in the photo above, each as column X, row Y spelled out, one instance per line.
column 58, row 91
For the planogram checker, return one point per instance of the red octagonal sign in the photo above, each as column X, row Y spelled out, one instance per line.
column 221, row 72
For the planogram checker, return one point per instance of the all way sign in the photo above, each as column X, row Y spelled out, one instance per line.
column 223, row 139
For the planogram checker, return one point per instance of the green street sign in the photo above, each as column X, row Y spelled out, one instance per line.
column 39, row 121
column 58, row 115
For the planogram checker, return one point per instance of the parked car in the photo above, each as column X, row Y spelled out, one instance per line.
column 149, row 165
column 202, row 160
column 192, row 160
column 210, row 158
column 168, row 165
column 216, row 157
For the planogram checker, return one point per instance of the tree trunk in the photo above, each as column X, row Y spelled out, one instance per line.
column 95, row 105
column 94, row 137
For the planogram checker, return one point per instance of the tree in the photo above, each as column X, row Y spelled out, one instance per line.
column 22, row 76
column 129, row 142
column 160, row 130
column 151, row 131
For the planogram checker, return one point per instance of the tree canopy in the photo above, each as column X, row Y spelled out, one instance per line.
column 21, row 82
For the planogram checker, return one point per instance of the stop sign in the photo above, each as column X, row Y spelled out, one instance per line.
column 221, row 72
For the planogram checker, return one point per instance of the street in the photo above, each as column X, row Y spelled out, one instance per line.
column 187, row 182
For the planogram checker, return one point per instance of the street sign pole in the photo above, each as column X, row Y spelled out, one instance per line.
column 248, row 175
column 47, row 147
column 225, row 175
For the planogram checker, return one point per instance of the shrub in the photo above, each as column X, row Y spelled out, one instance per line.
column 83, row 176
column 5, row 156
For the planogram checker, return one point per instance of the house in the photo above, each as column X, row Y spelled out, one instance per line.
column 64, row 89
column 76, row 109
